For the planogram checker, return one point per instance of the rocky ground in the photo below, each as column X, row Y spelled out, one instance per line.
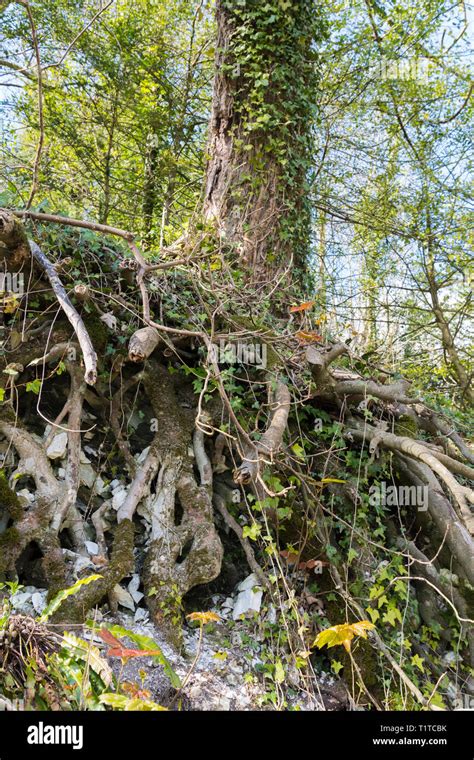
column 228, row 674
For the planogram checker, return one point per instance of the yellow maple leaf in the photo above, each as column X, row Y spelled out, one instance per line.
column 10, row 304
column 203, row 617
column 342, row 634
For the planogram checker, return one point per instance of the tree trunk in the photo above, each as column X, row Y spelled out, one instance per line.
column 259, row 143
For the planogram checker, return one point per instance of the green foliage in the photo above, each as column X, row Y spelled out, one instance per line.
column 272, row 60
column 64, row 594
column 147, row 643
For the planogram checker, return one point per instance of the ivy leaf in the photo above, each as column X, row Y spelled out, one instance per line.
column 352, row 554
column 279, row 675
column 374, row 614
column 34, row 386
column 417, row 662
column 392, row 615
column 252, row 531
column 298, row 450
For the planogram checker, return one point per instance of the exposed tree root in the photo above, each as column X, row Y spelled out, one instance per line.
column 174, row 465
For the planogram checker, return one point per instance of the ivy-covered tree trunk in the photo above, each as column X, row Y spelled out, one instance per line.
column 260, row 134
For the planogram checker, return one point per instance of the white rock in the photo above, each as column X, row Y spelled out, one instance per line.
column 124, row 598
column 26, row 496
column 141, row 615
column 83, row 459
column 61, row 472
column 38, row 601
column 83, row 563
column 57, row 447
column 271, row 615
column 143, row 455
column 92, row 547
column 228, row 604
column 87, row 475
column 449, row 658
column 99, row 486
column 115, row 484
column 118, row 498
column 249, row 598
column 110, row 320
column 248, row 583
column 20, row 599
column 136, row 595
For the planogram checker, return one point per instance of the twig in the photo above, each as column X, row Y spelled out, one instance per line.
column 88, row 352
column 248, row 551
column 78, row 36
column 39, row 148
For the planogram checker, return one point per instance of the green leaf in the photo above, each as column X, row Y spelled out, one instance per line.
column 352, row 554
column 85, row 651
column 59, row 598
column 252, row 531
column 392, row 615
column 34, row 386
column 374, row 614
column 121, row 702
column 418, row 661
column 279, row 675
column 298, row 450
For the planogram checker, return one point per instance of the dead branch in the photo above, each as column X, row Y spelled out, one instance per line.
column 219, row 503
column 88, row 352
column 142, row 344
column 416, row 450
column 270, row 441
column 447, row 522
column 140, row 484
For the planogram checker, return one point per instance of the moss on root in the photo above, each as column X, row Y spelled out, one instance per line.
column 9, row 543
column 9, row 499
column 76, row 607
column 97, row 330
column 53, row 566
column 406, row 426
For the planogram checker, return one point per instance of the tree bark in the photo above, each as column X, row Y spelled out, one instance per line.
column 259, row 134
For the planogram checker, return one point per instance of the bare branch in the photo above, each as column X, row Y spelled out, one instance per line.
column 88, row 352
